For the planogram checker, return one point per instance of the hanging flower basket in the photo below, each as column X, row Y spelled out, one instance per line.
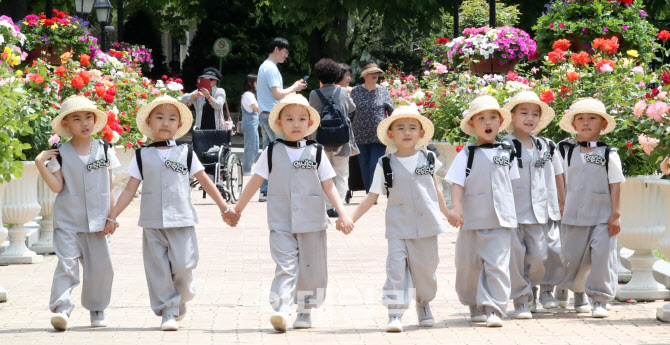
column 492, row 66
column 49, row 54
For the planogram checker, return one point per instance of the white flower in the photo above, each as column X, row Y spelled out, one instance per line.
column 419, row 95
column 638, row 70
column 385, row 84
column 606, row 68
column 397, row 82
column 160, row 84
column 175, row 86
column 99, row 63
column 115, row 110
column 115, row 137
column 2, row 39
column 144, row 139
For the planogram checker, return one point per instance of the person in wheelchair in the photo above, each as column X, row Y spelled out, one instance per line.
column 169, row 243
column 298, row 183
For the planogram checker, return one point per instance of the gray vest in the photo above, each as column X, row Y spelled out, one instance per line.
column 554, row 211
column 296, row 202
column 587, row 201
column 530, row 189
column 488, row 202
column 413, row 210
column 83, row 203
column 166, row 193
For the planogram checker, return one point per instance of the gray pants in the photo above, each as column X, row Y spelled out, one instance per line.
column 170, row 255
column 590, row 261
column 301, row 275
column 553, row 265
column 93, row 251
column 529, row 251
column 410, row 270
column 482, row 268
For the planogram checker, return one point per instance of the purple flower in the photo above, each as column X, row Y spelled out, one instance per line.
column 643, row 13
column 44, row 37
column 624, row 27
column 586, row 46
column 605, row 29
column 47, row 42
column 585, row 30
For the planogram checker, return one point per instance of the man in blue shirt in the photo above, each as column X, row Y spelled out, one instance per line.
column 270, row 90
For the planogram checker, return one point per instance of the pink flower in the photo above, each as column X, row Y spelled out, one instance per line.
column 605, row 29
column 639, row 108
column 656, row 110
column 441, row 69
column 665, row 166
column 562, row 25
column 54, row 139
column 641, row 85
column 648, row 144
column 638, row 70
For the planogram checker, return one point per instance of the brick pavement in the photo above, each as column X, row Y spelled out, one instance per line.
column 233, row 281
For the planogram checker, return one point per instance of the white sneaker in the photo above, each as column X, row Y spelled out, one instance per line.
column 521, row 311
column 262, row 197
column 477, row 314
column 581, row 303
column 493, row 320
column 425, row 316
column 302, row 321
column 169, row 323
column 599, row 311
column 279, row 321
column 98, row 319
column 394, row 325
column 59, row 321
column 562, row 298
column 608, row 306
column 532, row 301
column 182, row 312
column 548, row 301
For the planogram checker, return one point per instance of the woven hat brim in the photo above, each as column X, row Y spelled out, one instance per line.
column 426, row 125
column 100, row 121
column 276, row 110
column 547, row 114
column 566, row 121
column 185, row 116
column 465, row 127
column 372, row 70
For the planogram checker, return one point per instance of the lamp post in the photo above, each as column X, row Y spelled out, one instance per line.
column 84, row 7
column 103, row 10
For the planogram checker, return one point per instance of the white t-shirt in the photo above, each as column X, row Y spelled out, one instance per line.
column 614, row 173
column 248, row 99
column 556, row 162
column 111, row 155
column 325, row 170
column 134, row 170
column 456, row 173
column 409, row 163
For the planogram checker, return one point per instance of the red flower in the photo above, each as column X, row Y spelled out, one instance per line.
column 87, row 93
column 572, row 76
column 77, row 82
column 48, row 22
column 556, row 55
column 534, row 56
column 511, row 75
column 100, row 89
column 562, row 44
column 565, row 91
column 41, row 16
column 551, row 25
column 581, row 58
column 85, row 76
column 178, row 80
column 61, row 71
column 442, row 40
column 663, row 35
column 37, row 78
column 609, row 46
column 164, row 77
column 140, row 143
column 111, row 91
column 548, row 96
column 107, row 133
column 129, row 145
column 108, row 98
column 562, row 25
column 627, row 2
column 459, row 148
column 628, row 145
column 127, row 127
column 144, row 95
column 665, row 76
column 84, row 59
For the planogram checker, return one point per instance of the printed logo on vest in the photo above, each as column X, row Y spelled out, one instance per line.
column 425, row 170
column 305, row 164
column 177, row 167
column 99, row 164
column 547, row 156
column 540, row 162
column 595, row 159
column 502, row 160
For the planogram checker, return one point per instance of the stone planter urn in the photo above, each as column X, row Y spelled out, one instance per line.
column 3, row 236
column 663, row 313
column 447, row 155
column 20, row 206
column 492, row 66
column 642, row 227
column 46, row 198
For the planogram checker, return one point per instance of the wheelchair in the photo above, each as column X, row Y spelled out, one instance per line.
column 212, row 147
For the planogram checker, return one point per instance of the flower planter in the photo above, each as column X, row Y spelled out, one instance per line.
column 492, row 66
column 47, row 54
column 663, row 313
column 3, row 235
column 642, row 227
column 20, row 206
column 46, row 199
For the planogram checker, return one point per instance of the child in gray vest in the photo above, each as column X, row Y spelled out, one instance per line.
column 169, row 243
column 299, row 181
column 413, row 214
column 483, row 206
column 529, row 246
column 592, row 207
column 79, row 171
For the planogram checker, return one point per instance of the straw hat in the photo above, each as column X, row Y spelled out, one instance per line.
column 546, row 112
column 295, row 99
column 480, row 104
column 185, row 116
column 405, row 112
column 373, row 69
column 76, row 104
column 586, row 105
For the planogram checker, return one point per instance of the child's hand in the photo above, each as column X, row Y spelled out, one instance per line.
column 110, row 228
column 455, row 218
column 344, row 224
column 614, row 225
column 561, row 207
column 45, row 156
column 231, row 217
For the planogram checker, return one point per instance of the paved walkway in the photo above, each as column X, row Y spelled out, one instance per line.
column 233, row 281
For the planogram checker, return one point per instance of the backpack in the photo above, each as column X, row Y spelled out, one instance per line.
column 138, row 156
column 472, row 148
column 319, row 150
column 388, row 172
column 59, row 158
column 334, row 129
column 571, row 147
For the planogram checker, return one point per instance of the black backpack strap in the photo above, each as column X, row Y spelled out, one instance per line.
column 562, row 149
column 319, row 151
column 138, row 158
column 270, row 146
column 59, row 158
column 323, row 99
column 430, row 157
column 105, row 146
column 189, row 157
column 517, row 152
column 388, row 173
column 471, row 159
column 608, row 148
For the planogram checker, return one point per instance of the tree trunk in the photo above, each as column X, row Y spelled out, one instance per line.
column 335, row 49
